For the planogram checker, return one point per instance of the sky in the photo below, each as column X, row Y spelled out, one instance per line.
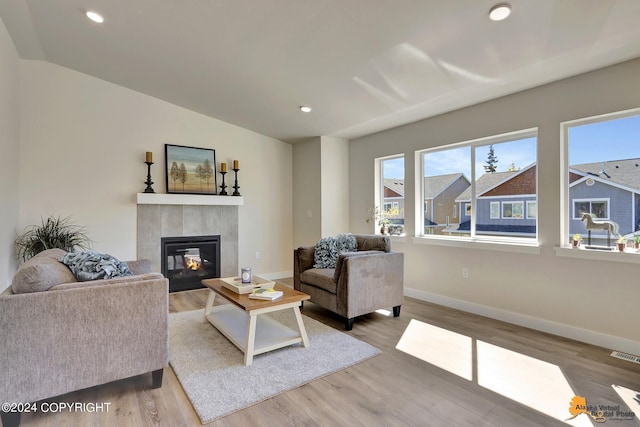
column 594, row 142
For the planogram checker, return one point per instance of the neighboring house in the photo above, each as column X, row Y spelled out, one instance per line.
column 440, row 209
column 506, row 204
column 394, row 197
column 609, row 191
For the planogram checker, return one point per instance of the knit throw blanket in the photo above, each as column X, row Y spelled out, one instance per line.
column 89, row 265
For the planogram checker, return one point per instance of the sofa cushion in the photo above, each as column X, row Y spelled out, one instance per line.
column 41, row 272
column 321, row 278
column 328, row 249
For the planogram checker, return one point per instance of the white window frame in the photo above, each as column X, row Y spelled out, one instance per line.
column 491, row 213
column 379, row 183
column 529, row 203
column 494, row 242
column 566, row 209
column 512, row 203
column 578, row 216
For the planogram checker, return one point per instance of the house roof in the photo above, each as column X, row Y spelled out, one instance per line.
column 395, row 185
column 487, row 182
column 624, row 172
column 434, row 185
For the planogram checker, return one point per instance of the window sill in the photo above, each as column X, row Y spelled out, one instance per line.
column 483, row 245
column 594, row 254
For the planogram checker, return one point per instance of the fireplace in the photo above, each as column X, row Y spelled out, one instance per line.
column 187, row 260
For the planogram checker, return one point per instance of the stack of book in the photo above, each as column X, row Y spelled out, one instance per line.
column 268, row 294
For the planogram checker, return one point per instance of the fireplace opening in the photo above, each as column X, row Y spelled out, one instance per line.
column 188, row 260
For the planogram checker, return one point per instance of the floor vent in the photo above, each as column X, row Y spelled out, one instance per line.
column 626, row 356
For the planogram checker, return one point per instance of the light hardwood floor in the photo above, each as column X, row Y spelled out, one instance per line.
column 503, row 375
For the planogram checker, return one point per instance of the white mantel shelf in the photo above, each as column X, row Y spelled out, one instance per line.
column 189, row 199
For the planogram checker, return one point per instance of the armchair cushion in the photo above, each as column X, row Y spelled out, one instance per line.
column 320, row 277
column 41, row 272
column 368, row 242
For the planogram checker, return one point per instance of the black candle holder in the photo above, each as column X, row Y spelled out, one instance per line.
column 223, row 186
column 236, row 186
column 149, row 189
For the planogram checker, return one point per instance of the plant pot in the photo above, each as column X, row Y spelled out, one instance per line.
column 575, row 243
column 621, row 246
column 384, row 230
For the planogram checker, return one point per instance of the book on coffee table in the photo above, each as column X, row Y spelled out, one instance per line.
column 235, row 284
column 265, row 294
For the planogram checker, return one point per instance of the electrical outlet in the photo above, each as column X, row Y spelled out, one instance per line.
column 465, row 273
column 309, row 214
column 257, row 255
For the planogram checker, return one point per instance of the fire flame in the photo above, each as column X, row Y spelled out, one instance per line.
column 192, row 263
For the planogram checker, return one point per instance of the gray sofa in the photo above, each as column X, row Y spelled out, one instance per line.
column 79, row 334
column 361, row 283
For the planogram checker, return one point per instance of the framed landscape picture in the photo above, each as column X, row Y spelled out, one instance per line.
column 190, row 170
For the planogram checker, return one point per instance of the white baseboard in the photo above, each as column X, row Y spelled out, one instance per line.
column 276, row 275
column 567, row 331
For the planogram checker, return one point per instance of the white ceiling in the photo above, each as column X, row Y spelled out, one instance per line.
column 363, row 65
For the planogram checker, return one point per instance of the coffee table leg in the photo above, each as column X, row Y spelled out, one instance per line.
column 207, row 308
column 303, row 331
column 251, row 339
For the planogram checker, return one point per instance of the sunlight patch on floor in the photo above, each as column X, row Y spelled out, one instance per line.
column 630, row 397
column 537, row 384
column 383, row 312
column 532, row 382
column 443, row 348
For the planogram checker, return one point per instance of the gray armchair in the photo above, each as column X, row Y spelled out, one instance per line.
column 361, row 283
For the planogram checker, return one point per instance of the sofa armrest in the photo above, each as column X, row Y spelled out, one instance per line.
column 303, row 259
column 64, row 340
column 370, row 281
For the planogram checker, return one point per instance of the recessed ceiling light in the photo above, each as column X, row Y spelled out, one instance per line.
column 95, row 17
column 500, row 11
column 305, row 109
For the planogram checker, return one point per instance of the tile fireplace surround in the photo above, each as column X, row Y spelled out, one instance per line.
column 167, row 215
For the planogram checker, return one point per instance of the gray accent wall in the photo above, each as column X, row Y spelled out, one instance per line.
column 157, row 221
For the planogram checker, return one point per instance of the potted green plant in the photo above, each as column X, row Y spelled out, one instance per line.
column 636, row 242
column 575, row 240
column 621, row 243
column 55, row 232
column 383, row 217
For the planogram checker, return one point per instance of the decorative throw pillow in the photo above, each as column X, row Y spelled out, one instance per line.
column 328, row 249
column 89, row 265
column 41, row 273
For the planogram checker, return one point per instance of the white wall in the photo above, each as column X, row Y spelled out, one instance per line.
column 334, row 179
column 82, row 149
column 595, row 301
column 9, row 154
column 307, row 196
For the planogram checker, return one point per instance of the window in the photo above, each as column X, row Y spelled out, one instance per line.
column 532, row 209
column 488, row 182
column 601, row 177
column 513, row 210
column 390, row 187
column 599, row 209
column 495, row 210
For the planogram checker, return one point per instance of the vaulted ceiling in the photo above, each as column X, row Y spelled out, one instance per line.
column 362, row 65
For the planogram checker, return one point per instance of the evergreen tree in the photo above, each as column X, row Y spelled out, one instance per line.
column 492, row 161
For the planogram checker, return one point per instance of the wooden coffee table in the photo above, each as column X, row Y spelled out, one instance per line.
column 241, row 323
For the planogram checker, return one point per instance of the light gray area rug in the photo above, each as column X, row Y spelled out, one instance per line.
column 214, row 377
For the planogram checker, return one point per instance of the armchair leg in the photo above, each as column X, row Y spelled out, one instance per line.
column 348, row 324
column 156, row 377
column 396, row 311
column 10, row 419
